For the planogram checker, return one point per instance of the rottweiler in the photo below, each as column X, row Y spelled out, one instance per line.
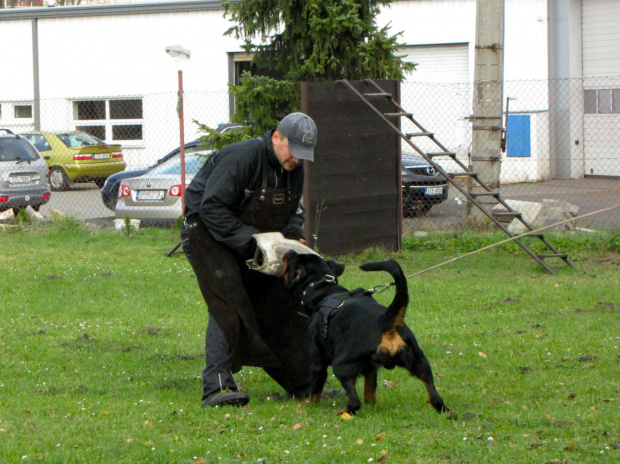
column 353, row 333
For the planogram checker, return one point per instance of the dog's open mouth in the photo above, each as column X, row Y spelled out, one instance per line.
column 270, row 249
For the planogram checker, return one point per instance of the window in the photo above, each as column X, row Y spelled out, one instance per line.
column 23, row 111
column 95, row 131
column 125, row 109
column 589, row 101
column 113, row 120
column 39, row 141
column 615, row 97
column 601, row 101
column 90, row 110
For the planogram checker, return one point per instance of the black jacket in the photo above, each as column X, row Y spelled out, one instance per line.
column 218, row 193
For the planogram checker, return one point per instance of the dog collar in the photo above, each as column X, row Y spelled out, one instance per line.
column 327, row 278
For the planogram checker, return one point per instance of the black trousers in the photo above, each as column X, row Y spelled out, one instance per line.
column 253, row 318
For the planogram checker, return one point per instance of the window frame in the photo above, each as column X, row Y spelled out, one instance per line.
column 109, row 124
column 601, row 101
column 22, row 105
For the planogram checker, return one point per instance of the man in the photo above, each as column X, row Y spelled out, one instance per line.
column 245, row 188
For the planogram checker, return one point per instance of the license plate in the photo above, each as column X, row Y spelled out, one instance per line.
column 150, row 194
column 428, row 191
column 101, row 156
column 19, row 179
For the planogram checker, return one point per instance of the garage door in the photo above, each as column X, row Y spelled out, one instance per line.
column 439, row 95
column 601, row 72
column 439, row 63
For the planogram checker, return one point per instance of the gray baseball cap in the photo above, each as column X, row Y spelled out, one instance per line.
column 301, row 133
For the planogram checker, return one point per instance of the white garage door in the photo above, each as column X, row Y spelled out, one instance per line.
column 439, row 63
column 438, row 94
column 601, row 72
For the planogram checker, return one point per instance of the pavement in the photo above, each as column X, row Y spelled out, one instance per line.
column 589, row 194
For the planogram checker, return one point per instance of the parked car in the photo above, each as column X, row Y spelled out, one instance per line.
column 77, row 157
column 23, row 174
column 422, row 186
column 109, row 191
column 156, row 196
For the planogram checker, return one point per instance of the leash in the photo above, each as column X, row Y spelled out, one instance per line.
column 384, row 287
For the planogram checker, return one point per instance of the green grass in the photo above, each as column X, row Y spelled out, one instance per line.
column 102, row 347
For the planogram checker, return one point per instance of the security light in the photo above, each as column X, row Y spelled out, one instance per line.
column 177, row 50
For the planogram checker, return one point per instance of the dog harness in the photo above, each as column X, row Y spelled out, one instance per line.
column 333, row 303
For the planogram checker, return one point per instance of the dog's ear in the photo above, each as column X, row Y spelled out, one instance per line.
column 290, row 275
column 336, row 267
column 288, row 255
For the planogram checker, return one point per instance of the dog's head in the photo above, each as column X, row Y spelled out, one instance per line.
column 300, row 268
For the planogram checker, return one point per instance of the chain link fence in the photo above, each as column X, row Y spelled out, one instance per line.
column 561, row 156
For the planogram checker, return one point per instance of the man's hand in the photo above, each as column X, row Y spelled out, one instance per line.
column 294, row 232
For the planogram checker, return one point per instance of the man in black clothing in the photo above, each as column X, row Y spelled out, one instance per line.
column 245, row 188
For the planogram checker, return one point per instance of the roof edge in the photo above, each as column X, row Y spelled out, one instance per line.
column 12, row 14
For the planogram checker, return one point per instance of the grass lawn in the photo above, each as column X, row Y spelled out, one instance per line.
column 102, row 348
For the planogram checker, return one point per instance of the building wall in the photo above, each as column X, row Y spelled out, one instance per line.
column 122, row 55
column 426, row 22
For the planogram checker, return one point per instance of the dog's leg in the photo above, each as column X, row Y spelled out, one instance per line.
column 433, row 396
column 319, row 376
column 370, row 387
column 413, row 359
column 353, row 401
column 319, row 362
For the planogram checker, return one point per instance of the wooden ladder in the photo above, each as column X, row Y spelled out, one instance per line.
column 442, row 151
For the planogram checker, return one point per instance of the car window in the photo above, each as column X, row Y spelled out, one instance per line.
column 194, row 148
column 79, row 139
column 193, row 163
column 13, row 149
column 39, row 141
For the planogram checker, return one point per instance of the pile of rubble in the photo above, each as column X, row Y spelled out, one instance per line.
column 8, row 217
column 540, row 214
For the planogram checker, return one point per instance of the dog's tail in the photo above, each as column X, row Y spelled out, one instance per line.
column 395, row 314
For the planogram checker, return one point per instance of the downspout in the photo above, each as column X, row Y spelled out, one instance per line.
column 35, row 74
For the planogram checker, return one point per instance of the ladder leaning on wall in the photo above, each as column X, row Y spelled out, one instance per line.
column 442, row 151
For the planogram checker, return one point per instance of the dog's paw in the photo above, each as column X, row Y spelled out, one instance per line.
column 451, row 413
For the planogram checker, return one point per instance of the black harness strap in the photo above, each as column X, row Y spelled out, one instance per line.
column 335, row 302
column 265, row 172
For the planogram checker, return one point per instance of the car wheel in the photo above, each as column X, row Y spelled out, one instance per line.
column 58, row 179
column 417, row 210
column 99, row 181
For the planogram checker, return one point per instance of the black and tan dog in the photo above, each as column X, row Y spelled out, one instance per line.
column 353, row 333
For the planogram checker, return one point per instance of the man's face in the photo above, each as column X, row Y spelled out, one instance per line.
column 283, row 153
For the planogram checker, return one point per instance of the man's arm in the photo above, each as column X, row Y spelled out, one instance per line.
column 224, row 192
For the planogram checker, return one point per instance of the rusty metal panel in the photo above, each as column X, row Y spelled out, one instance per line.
column 352, row 189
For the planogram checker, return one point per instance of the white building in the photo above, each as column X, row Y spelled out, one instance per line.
column 105, row 67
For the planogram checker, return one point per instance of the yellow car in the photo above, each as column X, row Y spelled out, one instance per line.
column 76, row 156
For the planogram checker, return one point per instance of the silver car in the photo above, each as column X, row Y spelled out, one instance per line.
column 155, row 197
column 24, row 175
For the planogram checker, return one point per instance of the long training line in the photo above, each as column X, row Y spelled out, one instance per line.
column 516, row 237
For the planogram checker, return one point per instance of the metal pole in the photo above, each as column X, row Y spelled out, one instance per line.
column 182, row 146
column 488, row 99
column 35, row 75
